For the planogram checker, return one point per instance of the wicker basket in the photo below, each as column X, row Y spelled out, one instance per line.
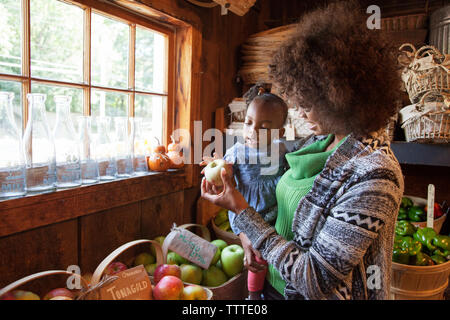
column 427, row 122
column 427, row 71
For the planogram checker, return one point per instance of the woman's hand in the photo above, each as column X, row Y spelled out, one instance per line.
column 250, row 253
column 226, row 196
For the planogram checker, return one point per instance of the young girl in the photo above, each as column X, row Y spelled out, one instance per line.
column 256, row 178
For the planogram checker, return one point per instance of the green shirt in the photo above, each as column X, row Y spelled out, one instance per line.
column 305, row 164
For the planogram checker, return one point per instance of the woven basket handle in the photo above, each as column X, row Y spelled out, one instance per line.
column 205, row 235
column 427, row 50
column 113, row 255
column 410, row 45
column 38, row 275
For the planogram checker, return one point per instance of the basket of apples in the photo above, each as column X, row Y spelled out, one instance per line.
column 12, row 291
column 225, row 277
column 166, row 282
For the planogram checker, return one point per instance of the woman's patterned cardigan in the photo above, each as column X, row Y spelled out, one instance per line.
column 343, row 228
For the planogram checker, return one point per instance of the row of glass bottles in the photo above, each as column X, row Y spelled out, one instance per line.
column 63, row 158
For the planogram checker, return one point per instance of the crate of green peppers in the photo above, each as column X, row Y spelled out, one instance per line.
column 419, row 246
column 414, row 209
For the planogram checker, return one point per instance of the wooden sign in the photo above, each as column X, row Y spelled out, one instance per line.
column 190, row 246
column 131, row 284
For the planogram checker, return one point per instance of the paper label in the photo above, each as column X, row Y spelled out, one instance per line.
column 430, row 206
column 191, row 247
column 132, row 284
column 290, row 132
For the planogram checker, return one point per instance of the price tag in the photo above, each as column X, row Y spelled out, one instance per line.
column 290, row 132
column 430, row 206
column 190, row 246
column 132, row 284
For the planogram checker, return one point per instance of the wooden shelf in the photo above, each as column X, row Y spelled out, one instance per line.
column 422, row 153
column 34, row 211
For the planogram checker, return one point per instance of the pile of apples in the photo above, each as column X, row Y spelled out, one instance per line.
column 228, row 261
column 55, row 294
column 170, row 286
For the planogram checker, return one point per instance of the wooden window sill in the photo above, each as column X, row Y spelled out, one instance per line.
column 34, row 211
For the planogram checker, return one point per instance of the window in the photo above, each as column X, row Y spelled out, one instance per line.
column 108, row 65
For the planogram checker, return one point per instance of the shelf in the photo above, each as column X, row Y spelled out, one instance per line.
column 422, row 153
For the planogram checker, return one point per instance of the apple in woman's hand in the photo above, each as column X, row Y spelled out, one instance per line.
column 212, row 171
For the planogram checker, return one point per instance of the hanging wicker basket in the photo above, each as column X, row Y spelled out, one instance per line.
column 426, row 69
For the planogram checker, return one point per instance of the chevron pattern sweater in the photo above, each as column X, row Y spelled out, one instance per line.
column 343, row 228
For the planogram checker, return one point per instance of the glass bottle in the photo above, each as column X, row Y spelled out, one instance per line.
column 89, row 165
column 105, row 150
column 12, row 162
column 124, row 155
column 139, row 149
column 67, row 145
column 39, row 147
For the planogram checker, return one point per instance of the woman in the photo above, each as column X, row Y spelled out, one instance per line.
column 339, row 200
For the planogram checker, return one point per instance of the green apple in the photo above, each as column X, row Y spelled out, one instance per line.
column 160, row 239
column 213, row 277
column 212, row 171
column 219, row 264
column 191, row 273
column 216, row 256
column 219, row 243
column 144, row 258
column 221, row 217
column 150, row 268
column 232, row 260
column 175, row 258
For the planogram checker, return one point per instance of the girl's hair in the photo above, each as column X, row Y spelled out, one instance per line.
column 260, row 92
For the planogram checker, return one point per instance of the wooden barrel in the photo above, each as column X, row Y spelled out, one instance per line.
column 440, row 29
column 419, row 282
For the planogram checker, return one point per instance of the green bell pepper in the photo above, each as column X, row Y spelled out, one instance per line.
column 402, row 214
column 442, row 242
column 425, row 236
column 438, row 259
column 441, row 252
column 416, row 214
column 400, row 255
column 413, row 246
column 406, row 202
column 404, row 228
column 422, row 259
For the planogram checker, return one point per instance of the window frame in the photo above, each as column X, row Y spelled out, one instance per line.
column 113, row 12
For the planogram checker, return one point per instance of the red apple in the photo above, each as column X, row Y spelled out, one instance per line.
column 59, row 292
column 168, row 288
column 115, row 267
column 166, row 270
column 8, row 296
column 194, row 292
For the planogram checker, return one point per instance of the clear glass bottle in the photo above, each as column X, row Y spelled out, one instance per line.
column 123, row 141
column 39, row 147
column 139, row 147
column 105, row 149
column 67, row 145
column 89, row 165
column 12, row 162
